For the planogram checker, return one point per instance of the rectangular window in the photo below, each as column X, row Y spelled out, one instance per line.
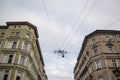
column 114, row 63
column 22, row 60
column 89, row 70
column 98, row 65
column 0, row 44
column 17, row 34
column 2, row 34
column 18, row 76
column 93, row 41
column 14, row 44
column 110, row 48
column 10, row 59
column 117, row 76
column 25, row 47
column 6, row 74
column 95, row 51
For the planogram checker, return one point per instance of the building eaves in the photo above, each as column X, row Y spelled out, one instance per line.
column 25, row 23
column 94, row 33
column 3, row 27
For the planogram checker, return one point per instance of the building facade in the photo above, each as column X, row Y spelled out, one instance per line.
column 99, row 57
column 20, row 54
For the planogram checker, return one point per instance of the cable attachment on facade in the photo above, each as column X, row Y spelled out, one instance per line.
column 61, row 52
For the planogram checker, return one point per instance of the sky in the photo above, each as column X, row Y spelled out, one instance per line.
column 62, row 25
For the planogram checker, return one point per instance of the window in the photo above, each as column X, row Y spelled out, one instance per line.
column 110, row 48
column 108, row 39
column 6, row 74
column 93, row 41
column 17, row 34
column 22, row 60
column 25, row 46
column 114, row 63
column 89, row 70
column 10, row 59
column 27, row 36
column 29, row 28
column 117, row 77
column 98, row 64
column 0, row 44
column 95, row 51
column 19, row 26
column 18, row 76
column 100, row 78
column 2, row 34
column 14, row 44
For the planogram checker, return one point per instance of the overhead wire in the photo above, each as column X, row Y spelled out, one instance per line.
column 74, row 24
column 45, row 8
column 82, row 22
column 114, row 22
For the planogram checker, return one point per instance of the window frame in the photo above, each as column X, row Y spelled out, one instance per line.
column 18, row 75
column 25, row 46
column 110, row 48
column 0, row 43
column 22, row 60
column 95, row 51
column 98, row 64
column 14, row 44
column 2, row 35
column 10, row 59
column 6, row 75
column 93, row 41
column 114, row 63
column 17, row 34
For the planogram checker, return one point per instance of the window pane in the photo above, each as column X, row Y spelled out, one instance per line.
column 93, row 41
column 25, row 47
column 95, row 51
column 17, row 34
column 98, row 65
column 0, row 44
column 18, row 76
column 10, row 58
column 2, row 34
column 22, row 60
column 114, row 63
column 6, row 75
column 14, row 44
column 110, row 48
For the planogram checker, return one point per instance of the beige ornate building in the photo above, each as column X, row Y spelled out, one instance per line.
column 20, row 54
column 99, row 58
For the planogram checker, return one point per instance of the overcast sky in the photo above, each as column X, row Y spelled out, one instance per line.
column 66, row 25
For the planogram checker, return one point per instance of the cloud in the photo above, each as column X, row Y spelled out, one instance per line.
column 62, row 14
